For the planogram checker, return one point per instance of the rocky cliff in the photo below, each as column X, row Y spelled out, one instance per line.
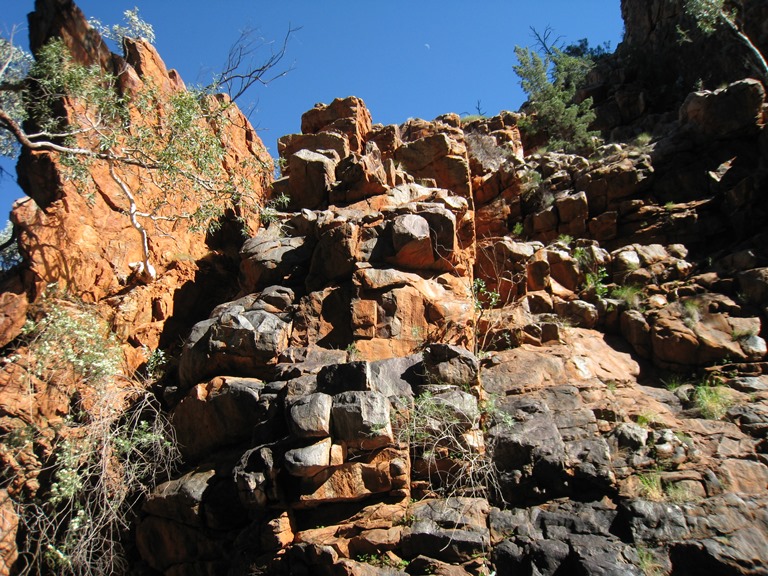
column 447, row 356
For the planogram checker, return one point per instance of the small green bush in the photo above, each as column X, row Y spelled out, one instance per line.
column 630, row 295
column 550, row 82
column 594, row 281
column 712, row 399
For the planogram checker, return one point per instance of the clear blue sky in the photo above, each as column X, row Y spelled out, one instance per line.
column 415, row 58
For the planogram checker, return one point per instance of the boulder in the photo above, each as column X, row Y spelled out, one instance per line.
column 311, row 178
column 347, row 116
column 310, row 416
column 734, row 110
column 240, row 343
column 267, row 260
column 309, row 460
column 217, row 414
column 361, row 419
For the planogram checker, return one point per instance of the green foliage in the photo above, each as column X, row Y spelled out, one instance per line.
column 550, row 82
column 14, row 68
column 691, row 312
column 55, row 76
column 712, row 399
column 630, row 295
column 651, row 487
column 157, row 363
column 706, row 13
column 134, row 27
column 9, row 255
column 518, row 229
column 72, row 337
column 269, row 212
column 594, row 281
column 383, row 561
column 674, row 381
column 648, row 562
column 643, row 139
column 110, row 450
column 482, row 297
column 471, row 118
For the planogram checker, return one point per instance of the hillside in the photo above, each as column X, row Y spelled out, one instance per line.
column 441, row 349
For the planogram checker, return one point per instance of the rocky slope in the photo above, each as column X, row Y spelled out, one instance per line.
column 448, row 356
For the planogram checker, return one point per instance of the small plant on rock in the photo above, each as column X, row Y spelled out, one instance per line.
column 651, row 487
column 630, row 295
column 442, row 437
column 712, row 399
column 691, row 312
column 648, row 562
column 594, row 281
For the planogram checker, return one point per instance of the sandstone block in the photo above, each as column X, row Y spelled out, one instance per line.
column 311, row 179
column 219, row 413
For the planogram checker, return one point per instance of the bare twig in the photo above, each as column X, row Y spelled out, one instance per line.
column 241, row 70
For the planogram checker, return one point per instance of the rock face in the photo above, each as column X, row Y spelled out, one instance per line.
column 447, row 356
column 82, row 240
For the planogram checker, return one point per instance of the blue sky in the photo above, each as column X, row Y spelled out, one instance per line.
column 415, row 58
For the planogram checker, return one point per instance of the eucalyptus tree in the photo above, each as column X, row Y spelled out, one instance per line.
column 146, row 136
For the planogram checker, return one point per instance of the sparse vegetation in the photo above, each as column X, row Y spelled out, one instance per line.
column 673, row 381
column 648, row 562
column 111, row 449
column 743, row 334
column 630, row 295
column 712, row 399
column 594, row 281
column 691, row 312
column 383, row 561
column 440, row 434
column 651, row 487
column 643, row 139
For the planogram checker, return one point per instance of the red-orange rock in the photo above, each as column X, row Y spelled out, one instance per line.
column 347, row 116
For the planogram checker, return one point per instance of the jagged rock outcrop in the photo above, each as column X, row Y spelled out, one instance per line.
column 565, row 417
column 78, row 235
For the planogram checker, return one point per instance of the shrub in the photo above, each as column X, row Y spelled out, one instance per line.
column 712, row 399
column 109, row 451
column 630, row 295
column 437, row 433
column 651, row 487
column 594, row 281
column 550, row 84
column 691, row 312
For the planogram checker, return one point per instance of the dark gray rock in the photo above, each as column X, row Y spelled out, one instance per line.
column 222, row 413
column 361, row 419
column 453, row 365
column 267, row 260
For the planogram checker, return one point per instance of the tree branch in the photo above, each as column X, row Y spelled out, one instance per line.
column 144, row 270
column 240, row 72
